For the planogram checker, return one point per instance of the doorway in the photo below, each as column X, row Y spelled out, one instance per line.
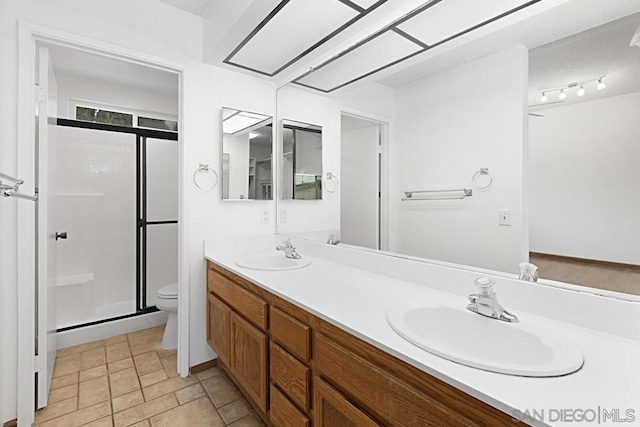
column 361, row 184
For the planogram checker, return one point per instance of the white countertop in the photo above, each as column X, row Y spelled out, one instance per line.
column 357, row 301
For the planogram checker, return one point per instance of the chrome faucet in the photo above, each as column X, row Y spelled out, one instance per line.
column 288, row 249
column 528, row 272
column 486, row 303
column 333, row 240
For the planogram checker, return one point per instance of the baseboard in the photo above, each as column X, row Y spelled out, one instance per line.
column 204, row 366
column 586, row 261
column 12, row 423
column 110, row 329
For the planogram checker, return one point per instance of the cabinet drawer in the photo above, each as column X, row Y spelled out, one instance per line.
column 291, row 376
column 292, row 334
column 251, row 306
column 331, row 409
column 379, row 392
column 284, row 413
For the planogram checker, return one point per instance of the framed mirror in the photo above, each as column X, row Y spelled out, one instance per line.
column 301, row 160
column 509, row 145
column 247, row 155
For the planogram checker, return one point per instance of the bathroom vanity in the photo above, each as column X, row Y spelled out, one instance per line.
column 300, row 370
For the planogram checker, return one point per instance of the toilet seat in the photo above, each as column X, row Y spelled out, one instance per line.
column 168, row 292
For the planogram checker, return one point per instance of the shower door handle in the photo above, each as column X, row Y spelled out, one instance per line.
column 62, row 235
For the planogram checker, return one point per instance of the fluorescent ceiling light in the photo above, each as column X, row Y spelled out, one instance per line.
column 298, row 26
column 241, row 121
column 253, row 135
column 376, row 53
column 365, row 4
column 448, row 18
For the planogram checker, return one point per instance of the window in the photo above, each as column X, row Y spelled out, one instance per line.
column 88, row 111
column 148, row 122
column 104, row 116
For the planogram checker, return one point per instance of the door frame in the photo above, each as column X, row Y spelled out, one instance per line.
column 29, row 35
column 385, row 137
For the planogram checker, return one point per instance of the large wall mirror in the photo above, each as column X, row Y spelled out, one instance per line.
column 247, row 148
column 514, row 145
column 301, row 160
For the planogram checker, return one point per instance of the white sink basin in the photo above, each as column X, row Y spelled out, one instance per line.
column 272, row 262
column 481, row 342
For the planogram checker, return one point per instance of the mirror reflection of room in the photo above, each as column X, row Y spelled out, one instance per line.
column 302, row 160
column 246, row 155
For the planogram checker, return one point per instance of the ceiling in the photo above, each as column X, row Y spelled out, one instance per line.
column 197, row 7
column 604, row 50
column 76, row 62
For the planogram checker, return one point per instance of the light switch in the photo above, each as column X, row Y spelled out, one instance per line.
column 504, row 217
column 265, row 216
column 283, row 216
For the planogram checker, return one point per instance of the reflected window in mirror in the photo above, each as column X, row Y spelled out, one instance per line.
column 302, row 160
column 247, row 148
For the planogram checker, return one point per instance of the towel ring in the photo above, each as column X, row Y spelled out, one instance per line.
column 204, row 168
column 482, row 171
column 330, row 177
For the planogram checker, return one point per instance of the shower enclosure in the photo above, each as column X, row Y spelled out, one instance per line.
column 117, row 201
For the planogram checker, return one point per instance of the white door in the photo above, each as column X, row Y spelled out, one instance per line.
column 46, row 113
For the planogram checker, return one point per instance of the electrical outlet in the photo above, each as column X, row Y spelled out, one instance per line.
column 283, row 216
column 264, row 217
column 504, row 217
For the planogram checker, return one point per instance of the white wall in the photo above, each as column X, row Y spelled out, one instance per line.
column 584, row 173
column 448, row 126
column 155, row 29
column 71, row 86
column 359, row 186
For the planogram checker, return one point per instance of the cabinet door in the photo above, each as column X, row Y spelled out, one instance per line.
column 334, row 410
column 249, row 359
column 219, row 328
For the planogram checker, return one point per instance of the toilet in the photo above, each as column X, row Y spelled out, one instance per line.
column 167, row 300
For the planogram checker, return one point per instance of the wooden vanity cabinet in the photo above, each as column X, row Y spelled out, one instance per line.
column 300, row 371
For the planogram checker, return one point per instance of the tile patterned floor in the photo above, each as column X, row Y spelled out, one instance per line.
column 129, row 380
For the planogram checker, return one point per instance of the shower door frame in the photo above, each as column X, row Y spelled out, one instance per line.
column 29, row 35
column 141, row 211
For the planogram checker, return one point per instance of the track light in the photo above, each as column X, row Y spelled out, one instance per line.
column 601, row 84
column 544, row 98
column 562, row 94
column 581, row 91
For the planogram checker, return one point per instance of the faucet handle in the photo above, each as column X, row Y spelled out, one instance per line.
column 485, row 285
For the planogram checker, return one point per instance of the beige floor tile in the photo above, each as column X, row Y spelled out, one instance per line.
column 118, row 352
column 144, row 411
column 92, row 358
column 115, row 340
column 211, row 372
column 233, row 411
column 170, row 365
column 93, row 391
column 92, row 373
column 56, row 410
column 103, row 422
column 81, row 417
column 63, row 393
column 221, row 390
column 64, row 381
column 77, row 349
column 198, row 413
column 145, row 343
column 144, row 423
column 127, row 401
column 120, row 365
column 147, row 363
column 190, row 393
column 167, row 386
column 248, row 421
column 166, row 353
column 66, row 365
column 153, row 378
column 123, row 382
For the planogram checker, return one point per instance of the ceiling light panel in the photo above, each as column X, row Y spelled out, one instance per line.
column 451, row 17
column 365, row 59
column 365, row 4
column 297, row 27
column 242, row 121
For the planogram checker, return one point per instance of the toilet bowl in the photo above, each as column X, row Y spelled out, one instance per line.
column 167, row 300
